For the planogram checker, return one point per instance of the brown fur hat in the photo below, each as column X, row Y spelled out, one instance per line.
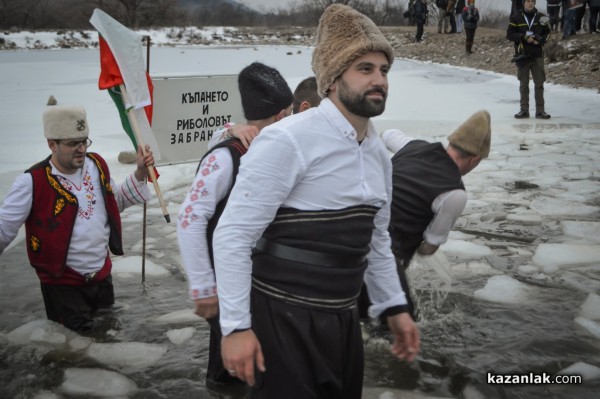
column 474, row 135
column 343, row 35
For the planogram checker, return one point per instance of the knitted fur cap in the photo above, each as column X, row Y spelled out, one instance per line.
column 264, row 91
column 64, row 122
column 474, row 135
column 343, row 35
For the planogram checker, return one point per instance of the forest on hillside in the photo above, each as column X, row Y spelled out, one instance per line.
column 75, row 14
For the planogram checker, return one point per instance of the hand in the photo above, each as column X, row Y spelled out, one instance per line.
column 427, row 249
column 144, row 160
column 207, row 308
column 240, row 351
column 406, row 343
column 246, row 133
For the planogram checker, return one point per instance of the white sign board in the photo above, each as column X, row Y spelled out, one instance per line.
column 188, row 110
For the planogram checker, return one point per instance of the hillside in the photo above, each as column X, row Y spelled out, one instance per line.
column 574, row 62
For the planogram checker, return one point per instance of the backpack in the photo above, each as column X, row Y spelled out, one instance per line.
column 441, row 4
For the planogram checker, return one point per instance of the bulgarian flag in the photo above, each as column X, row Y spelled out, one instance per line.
column 123, row 74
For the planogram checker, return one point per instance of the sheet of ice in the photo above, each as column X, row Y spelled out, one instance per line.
column 132, row 266
column 468, row 269
column 181, row 336
column 465, row 249
column 387, row 393
column 553, row 257
column 503, row 289
column 587, row 371
column 176, row 317
column 126, row 354
column 590, row 231
column 96, row 383
column 559, row 207
column 525, row 217
column 591, row 307
column 591, row 326
column 41, row 332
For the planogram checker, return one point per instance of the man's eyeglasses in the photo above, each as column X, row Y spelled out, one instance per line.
column 75, row 144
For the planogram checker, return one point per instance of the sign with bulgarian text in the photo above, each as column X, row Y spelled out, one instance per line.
column 188, row 110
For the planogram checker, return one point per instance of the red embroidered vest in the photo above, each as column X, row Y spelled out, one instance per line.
column 49, row 225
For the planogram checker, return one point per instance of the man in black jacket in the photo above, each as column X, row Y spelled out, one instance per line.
column 529, row 31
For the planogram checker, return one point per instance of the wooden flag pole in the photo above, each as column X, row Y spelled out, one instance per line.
column 136, row 129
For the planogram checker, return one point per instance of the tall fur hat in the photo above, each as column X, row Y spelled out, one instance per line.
column 343, row 35
column 64, row 122
column 264, row 91
column 474, row 135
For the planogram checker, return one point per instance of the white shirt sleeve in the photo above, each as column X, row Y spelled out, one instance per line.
column 261, row 187
column 381, row 277
column 395, row 139
column 210, row 186
column 130, row 192
column 447, row 207
column 16, row 209
column 219, row 135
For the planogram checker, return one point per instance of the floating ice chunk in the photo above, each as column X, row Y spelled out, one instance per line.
column 180, row 336
column 580, row 229
column 587, row 371
column 97, row 383
column 48, row 336
column 459, row 235
column 465, row 249
column 79, row 343
column 126, row 354
column 178, row 316
column 591, row 326
column 391, row 393
column 591, row 307
column 503, row 289
column 40, row 331
column 553, row 257
column 528, row 269
column 474, row 267
column 46, row 395
column 553, row 206
column 133, row 265
column 525, row 218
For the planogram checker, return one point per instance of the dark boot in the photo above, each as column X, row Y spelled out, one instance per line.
column 522, row 114
column 542, row 115
column 469, row 47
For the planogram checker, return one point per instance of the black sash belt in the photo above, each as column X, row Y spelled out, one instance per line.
column 307, row 256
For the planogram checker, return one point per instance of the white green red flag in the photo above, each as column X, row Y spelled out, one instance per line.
column 122, row 63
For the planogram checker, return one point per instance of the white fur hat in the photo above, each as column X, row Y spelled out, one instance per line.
column 65, row 122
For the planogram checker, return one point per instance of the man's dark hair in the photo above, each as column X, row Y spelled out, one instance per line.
column 306, row 91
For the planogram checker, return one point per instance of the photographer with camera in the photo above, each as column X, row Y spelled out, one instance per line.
column 529, row 30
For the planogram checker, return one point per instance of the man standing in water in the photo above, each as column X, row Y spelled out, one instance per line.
column 313, row 196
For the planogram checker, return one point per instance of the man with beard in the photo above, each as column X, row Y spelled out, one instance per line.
column 313, row 197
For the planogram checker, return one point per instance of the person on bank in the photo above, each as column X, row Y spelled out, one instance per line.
column 306, row 222
column 266, row 98
column 529, row 31
column 70, row 207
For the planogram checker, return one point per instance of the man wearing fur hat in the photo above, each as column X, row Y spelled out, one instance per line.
column 70, row 207
column 313, row 198
column 428, row 192
column 266, row 98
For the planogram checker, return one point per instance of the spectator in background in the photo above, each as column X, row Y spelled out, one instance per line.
column 450, row 10
column 529, row 31
column 580, row 15
column 571, row 9
column 553, row 9
column 594, row 16
column 516, row 7
column 470, row 15
column 460, row 5
column 421, row 13
column 443, row 20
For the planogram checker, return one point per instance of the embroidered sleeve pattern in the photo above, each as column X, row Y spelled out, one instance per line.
column 199, row 190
